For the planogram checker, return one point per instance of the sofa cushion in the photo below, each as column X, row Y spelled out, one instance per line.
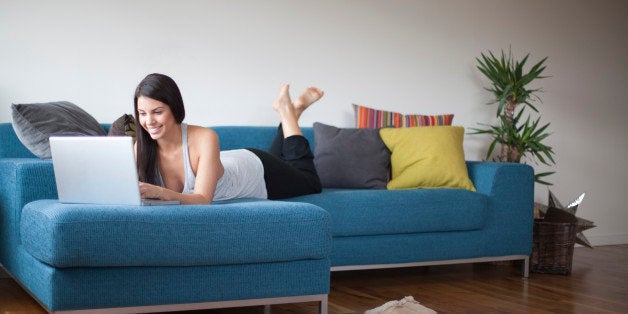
column 350, row 158
column 239, row 232
column 427, row 157
column 366, row 117
column 382, row 212
column 123, row 126
column 35, row 123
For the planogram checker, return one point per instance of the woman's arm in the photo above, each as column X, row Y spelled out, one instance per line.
column 204, row 148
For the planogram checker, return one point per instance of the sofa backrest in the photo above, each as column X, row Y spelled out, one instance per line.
column 260, row 137
column 231, row 137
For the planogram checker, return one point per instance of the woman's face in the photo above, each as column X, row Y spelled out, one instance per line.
column 155, row 117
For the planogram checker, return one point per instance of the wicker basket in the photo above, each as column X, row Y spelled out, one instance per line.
column 552, row 250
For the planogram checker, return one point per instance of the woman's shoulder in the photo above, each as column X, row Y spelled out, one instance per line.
column 201, row 135
column 200, row 130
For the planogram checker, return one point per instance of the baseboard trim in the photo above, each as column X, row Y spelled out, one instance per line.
column 609, row 239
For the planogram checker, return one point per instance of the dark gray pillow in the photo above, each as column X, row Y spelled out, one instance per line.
column 350, row 158
column 35, row 123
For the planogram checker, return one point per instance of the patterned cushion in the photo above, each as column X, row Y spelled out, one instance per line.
column 424, row 120
column 366, row 117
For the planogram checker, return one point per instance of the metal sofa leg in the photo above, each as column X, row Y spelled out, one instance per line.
column 267, row 309
column 323, row 305
column 526, row 267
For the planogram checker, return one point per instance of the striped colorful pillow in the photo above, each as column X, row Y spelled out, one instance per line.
column 370, row 118
column 423, row 120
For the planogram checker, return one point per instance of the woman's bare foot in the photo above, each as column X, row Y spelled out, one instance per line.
column 283, row 101
column 309, row 96
column 287, row 112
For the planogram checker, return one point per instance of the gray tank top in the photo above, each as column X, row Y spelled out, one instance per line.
column 190, row 178
column 243, row 176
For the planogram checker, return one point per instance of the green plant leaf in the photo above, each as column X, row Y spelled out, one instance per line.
column 490, row 149
column 536, row 67
column 537, row 178
column 539, row 156
column 539, row 132
column 531, row 106
column 519, row 67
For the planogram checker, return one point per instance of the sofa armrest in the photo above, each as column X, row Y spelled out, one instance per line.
column 510, row 191
column 22, row 180
column 492, row 178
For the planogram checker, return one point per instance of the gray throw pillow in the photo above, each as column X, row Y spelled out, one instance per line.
column 350, row 158
column 35, row 123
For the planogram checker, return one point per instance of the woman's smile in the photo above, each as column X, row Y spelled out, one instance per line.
column 154, row 129
column 154, row 116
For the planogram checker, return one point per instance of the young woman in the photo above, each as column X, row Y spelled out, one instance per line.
column 176, row 161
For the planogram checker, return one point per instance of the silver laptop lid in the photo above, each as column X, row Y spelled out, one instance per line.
column 95, row 169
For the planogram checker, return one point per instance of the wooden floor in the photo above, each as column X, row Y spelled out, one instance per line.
column 598, row 284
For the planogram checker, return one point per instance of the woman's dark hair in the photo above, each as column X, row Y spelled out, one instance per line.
column 162, row 88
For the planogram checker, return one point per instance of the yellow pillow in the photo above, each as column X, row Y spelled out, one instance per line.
column 427, row 157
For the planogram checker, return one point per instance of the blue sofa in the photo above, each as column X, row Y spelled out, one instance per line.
column 245, row 252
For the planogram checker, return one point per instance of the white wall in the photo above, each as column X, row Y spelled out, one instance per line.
column 229, row 57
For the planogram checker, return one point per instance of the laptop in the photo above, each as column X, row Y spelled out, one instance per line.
column 97, row 170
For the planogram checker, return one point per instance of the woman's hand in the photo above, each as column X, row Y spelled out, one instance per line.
column 151, row 191
column 156, row 192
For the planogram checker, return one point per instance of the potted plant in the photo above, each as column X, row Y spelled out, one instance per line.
column 521, row 140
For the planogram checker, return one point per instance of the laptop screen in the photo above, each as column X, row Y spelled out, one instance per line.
column 95, row 169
